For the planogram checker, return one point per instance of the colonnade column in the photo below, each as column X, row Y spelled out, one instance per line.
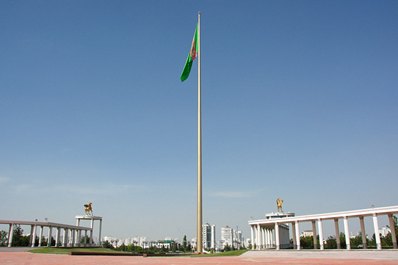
column 65, row 237
column 85, row 238
column 314, row 234
column 58, row 240
column 337, row 231
column 57, row 236
column 277, row 236
column 297, row 229
column 49, row 236
column 91, row 232
column 259, row 243
column 392, row 227
column 40, row 235
column 78, row 232
column 73, row 233
column 263, row 238
column 79, row 237
column 100, row 231
column 10, row 234
column 294, row 236
column 347, row 232
column 363, row 232
column 270, row 239
column 33, row 236
column 320, row 234
column 252, row 236
column 377, row 235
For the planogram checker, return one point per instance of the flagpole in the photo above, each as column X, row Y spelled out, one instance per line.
column 199, row 244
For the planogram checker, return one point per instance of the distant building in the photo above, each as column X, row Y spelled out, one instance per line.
column 306, row 233
column 193, row 243
column 384, row 231
column 209, row 236
column 227, row 237
column 238, row 239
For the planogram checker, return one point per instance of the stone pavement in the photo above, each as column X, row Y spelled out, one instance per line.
column 249, row 258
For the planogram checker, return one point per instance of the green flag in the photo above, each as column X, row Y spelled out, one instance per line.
column 191, row 56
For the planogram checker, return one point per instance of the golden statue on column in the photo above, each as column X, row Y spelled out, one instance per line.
column 88, row 209
column 279, row 203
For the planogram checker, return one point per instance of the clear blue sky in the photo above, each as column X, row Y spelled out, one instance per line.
column 300, row 101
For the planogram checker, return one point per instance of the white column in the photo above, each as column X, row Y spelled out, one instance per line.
column 269, row 235
column 65, row 237
column 320, row 234
column 363, row 232
column 40, row 235
column 277, row 239
column 10, row 234
column 252, row 236
column 100, row 231
column 337, row 231
column 49, row 235
column 73, row 232
column 85, row 238
column 347, row 233
column 263, row 238
column 33, row 234
column 78, row 237
column 296, row 224
column 91, row 232
column 377, row 235
column 57, row 235
column 294, row 236
column 272, row 233
column 78, row 232
column 258, row 236
column 314, row 235
column 393, row 234
column 58, row 240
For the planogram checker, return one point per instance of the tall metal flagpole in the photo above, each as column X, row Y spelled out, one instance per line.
column 199, row 245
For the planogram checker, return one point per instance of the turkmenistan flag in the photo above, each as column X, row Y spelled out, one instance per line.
column 191, row 56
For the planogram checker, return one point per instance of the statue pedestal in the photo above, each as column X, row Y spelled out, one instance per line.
column 278, row 215
column 91, row 218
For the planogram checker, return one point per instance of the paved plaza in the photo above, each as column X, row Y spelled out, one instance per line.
column 253, row 257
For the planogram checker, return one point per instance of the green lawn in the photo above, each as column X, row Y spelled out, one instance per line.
column 223, row 254
column 67, row 251
column 47, row 250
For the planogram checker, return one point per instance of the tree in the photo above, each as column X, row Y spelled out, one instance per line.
column 307, row 242
column 18, row 239
column 227, row 248
column 343, row 244
column 395, row 219
column 106, row 244
column 3, row 238
column 331, row 243
column 356, row 242
column 85, row 238
column 184, row 243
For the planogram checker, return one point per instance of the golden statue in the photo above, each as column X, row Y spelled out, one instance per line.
column 279, row 203
column 88, row 208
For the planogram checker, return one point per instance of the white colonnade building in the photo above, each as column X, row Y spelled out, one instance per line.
column 271, row 232
column 64, row 235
